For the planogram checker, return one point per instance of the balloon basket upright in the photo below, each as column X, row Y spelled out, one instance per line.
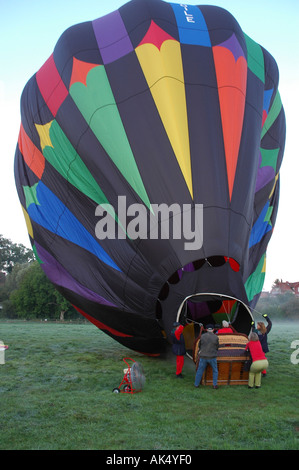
column 133, row 380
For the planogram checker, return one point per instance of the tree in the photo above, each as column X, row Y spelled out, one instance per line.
column 63, row 305
column 10, row 283
column 25, row 291
column 13, row 253
column 14, row 260
column 36, row 297
column 32, row 297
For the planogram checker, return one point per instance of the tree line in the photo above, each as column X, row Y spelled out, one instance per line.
column 25, row 291
column 280, row 306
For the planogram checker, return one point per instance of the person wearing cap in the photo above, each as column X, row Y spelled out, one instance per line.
column 208, row 347
column 178, row 347
column 225, row 328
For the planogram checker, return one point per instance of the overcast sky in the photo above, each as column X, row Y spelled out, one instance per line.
column 29, row 30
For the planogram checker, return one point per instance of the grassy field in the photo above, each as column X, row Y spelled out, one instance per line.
column 56, row 394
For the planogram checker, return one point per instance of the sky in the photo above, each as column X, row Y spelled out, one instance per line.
column 29, row 30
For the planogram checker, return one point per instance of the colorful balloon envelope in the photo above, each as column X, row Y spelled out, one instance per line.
column 147, row 167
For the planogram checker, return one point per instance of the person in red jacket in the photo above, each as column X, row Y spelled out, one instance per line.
column 259, row 361
column 178, row 347
column 262, row 332
column 225, row 328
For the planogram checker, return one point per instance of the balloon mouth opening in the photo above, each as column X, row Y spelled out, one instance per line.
column 203, row 304
column 200, row 309
column 210, row 308
column 194, row 266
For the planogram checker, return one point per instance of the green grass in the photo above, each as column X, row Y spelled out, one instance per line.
column 56, row 394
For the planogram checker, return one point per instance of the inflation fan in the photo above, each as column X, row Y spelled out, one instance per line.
column 134, row 378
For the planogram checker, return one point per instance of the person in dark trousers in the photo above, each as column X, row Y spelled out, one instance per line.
column 262, row 331
column 208, row 347
column 178, row 347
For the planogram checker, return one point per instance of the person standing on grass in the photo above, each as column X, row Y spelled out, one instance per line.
column 208, row 346
column 259, row 361
column 178, row 347
column 262, row 331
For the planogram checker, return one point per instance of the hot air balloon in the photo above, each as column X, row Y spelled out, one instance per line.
column 147, row 167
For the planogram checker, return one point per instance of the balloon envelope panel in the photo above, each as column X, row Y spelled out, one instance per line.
column 155, row 113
